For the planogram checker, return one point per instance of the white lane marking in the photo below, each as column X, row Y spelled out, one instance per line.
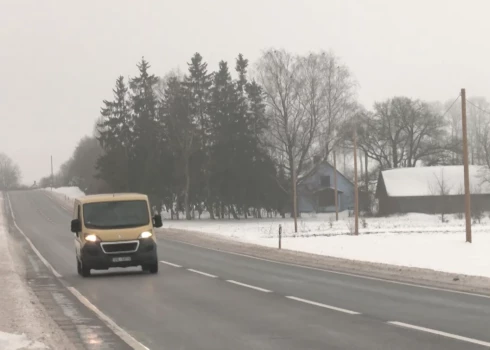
column 125, row 336
column 202, row 273
column 169, row 263
column 444, row 334
column 324, row 305
column 333, row 271
column 45, row 262
column 249, row 286
column 136, row 345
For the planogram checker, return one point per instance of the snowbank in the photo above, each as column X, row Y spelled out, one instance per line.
column 414, row 240
column 9, row 341
column 71, row 192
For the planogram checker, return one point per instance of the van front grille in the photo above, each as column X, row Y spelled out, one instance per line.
column 119, row 247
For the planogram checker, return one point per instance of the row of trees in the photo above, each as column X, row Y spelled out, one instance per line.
column 9, row 173
column 209, row 141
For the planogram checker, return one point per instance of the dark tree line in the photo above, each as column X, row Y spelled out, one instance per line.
column 195, row 147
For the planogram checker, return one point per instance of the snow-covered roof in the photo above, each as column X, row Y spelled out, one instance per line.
column 426, row 181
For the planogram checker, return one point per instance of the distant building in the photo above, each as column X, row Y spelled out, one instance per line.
column 316, row 191
column 431, row 190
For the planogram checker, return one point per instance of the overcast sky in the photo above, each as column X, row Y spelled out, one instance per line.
column 60, row 59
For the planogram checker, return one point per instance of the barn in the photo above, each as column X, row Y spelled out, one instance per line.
column 431, row 190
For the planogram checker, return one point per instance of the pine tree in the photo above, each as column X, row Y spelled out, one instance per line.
column 241, row 68
column 197, row 86
column 183, row 135
column 222, row 154
column 116, row 138
column 144, row 177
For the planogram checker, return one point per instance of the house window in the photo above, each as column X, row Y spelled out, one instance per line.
column 326, row 198
column 325, row 181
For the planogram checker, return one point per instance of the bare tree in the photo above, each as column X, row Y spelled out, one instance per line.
column 9, row 173
column 338, row 97
column 403, row 132
column 293, row 95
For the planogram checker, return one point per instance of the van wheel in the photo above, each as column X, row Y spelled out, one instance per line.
column 151, row 268
column 79, row 267
column 84, row 270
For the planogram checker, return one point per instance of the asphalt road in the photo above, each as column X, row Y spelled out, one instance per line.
column 204, row 299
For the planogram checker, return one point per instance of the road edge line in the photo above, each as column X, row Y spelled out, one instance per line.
column 39, row 255
column 332, row 271
column 121, row 333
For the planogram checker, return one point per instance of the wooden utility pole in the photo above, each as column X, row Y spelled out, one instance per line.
column 295, row 199
column 467, row 197
column 356, row 187
column 335, row 186
column 52, row 175
column 366, row 173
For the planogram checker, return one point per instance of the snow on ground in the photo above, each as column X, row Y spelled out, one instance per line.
column 71, row 192
column 9, row 341
column 311, row 225
column 414, row 240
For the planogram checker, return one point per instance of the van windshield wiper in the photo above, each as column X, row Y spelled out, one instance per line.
column 107, row 227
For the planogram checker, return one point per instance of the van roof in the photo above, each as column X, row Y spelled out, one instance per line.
column 112, row 197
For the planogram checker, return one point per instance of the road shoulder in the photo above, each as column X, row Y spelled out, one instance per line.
column 400, row 274
column 24, row 321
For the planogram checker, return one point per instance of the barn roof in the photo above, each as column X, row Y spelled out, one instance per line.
column 426, row 181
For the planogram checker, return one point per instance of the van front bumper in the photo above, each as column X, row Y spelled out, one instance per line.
column 94, row 257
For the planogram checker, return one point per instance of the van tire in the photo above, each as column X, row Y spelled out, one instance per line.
column 79, row 267
column 151, row 268
column 84, row 270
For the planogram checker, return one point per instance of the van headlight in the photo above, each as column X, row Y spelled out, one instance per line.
column 91, row 238
column 146, row 234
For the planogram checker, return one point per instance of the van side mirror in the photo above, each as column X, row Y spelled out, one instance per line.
column 76, row 226
column 157, row 221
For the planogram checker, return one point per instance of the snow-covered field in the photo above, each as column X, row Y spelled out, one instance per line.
column 414, row 240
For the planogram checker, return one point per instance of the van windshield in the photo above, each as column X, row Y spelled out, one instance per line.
column 122, row 214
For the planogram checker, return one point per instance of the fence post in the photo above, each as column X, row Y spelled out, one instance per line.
column 280, row 234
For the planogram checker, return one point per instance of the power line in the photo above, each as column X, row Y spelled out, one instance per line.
column 477, row 107
column 452, row 104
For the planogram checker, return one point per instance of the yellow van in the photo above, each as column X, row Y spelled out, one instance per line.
column 115, row 230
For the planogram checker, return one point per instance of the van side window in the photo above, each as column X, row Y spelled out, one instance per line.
column 79, row 216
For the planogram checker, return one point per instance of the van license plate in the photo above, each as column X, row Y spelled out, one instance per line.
column 121, row 258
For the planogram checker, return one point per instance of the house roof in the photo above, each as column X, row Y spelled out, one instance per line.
column 315, row 169
column 426, row 181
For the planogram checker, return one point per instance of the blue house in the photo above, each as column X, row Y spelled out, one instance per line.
column 316, row 191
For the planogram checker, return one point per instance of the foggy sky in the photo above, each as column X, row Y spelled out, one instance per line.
column 60, row 59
